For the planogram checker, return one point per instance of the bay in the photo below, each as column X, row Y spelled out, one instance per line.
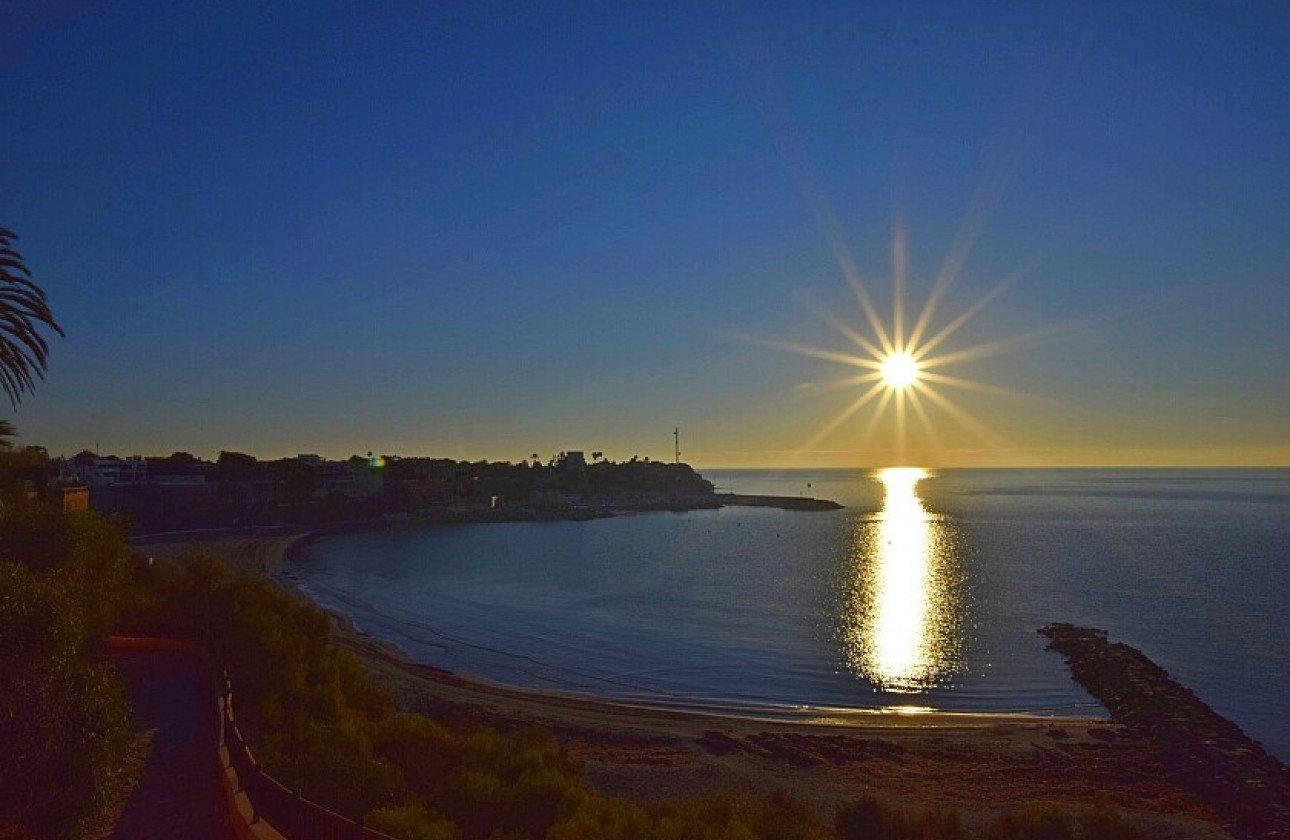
column 925, row 591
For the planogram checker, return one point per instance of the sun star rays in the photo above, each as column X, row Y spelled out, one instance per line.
column 906, row 363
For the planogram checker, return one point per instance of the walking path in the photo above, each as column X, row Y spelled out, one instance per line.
column 178, row 793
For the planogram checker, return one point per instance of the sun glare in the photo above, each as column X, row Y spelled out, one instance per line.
column 899, row 371
column 902, row 360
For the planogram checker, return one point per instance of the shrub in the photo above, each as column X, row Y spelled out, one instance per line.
column 1034, row 822
column 65, row 719
column 333, row 763
column 590, row 816
column 1101, row 823
column 412, row 821
column 782, row 817
column 422, row 750
column 868, row 819
column 475, row 801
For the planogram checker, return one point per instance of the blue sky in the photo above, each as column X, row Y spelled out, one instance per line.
column 484, row 230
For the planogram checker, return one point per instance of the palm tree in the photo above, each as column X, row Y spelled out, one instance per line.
column 24, row 353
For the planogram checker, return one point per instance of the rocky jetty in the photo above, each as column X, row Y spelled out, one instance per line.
column 1207, row 753
column 782, row 502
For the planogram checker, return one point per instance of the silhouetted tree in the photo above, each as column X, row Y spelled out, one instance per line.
column 236, row 466
column 24, row 353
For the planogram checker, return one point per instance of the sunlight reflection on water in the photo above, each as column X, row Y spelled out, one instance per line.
column 901, row 627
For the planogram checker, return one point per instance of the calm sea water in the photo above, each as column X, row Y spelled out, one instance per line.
column 925, row 591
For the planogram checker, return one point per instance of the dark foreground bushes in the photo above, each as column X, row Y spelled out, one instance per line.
column 64, row 723
column 868, row 819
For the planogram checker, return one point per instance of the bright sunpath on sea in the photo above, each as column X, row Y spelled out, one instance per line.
column 900, row 625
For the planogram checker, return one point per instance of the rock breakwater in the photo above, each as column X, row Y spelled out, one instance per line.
column 1207, row 753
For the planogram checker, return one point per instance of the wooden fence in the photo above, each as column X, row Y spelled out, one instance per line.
column 260, row 807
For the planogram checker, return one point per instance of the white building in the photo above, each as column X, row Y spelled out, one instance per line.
column 88, row 468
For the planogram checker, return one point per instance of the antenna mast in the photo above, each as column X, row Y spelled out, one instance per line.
column 676, row 433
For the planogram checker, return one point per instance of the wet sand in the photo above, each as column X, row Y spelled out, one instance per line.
column 976, row 764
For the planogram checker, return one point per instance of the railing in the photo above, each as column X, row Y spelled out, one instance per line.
column 260, row 807
column 273, row 802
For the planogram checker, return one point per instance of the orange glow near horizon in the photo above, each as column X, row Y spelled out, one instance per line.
column 901, row 366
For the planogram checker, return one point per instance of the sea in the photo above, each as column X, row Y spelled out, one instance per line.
column 923, row 593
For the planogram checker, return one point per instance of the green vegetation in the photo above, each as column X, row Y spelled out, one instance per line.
column 1041, row 822
column 62, row 712
column 869, row 819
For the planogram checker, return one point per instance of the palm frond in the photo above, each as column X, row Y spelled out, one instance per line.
column 24, row 310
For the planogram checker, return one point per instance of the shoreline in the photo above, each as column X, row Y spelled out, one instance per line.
column 978, row 764
column 366, row 645
column 272, row 555
column 601, row 509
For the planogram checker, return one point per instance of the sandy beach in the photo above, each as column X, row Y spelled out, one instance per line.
column 976, row 764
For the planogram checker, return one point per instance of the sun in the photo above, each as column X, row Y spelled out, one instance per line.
column 898, row 365
column 899, row 371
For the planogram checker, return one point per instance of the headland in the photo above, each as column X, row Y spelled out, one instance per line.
column 182, row 493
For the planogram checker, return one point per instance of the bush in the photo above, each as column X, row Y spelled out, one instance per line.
column 593, row 817
column 475, row 801
column 868, row 819
column 422, row 750
column 65, row 718
column 1034, row 822
column 412, row 821
column 1101, row 823
column 333, row 763
column 715, row 818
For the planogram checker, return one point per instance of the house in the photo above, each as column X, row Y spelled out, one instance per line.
column 88, row 468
